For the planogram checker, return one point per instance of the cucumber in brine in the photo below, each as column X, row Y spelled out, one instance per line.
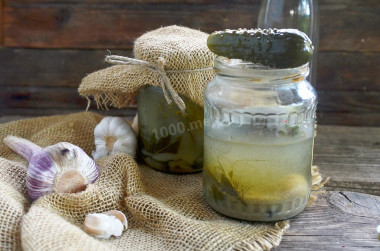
column 276, row 48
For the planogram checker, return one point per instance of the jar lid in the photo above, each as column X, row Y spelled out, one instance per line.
column 182, row 48
column 174, row 57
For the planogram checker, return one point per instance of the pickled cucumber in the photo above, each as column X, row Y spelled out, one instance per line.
column 169, row 140
column 276, row 48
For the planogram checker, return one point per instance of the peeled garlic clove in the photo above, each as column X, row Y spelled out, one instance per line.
column 105, row 225
column 62, row 168
column 114, row 135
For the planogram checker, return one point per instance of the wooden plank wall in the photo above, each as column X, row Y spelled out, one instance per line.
column 47, row 46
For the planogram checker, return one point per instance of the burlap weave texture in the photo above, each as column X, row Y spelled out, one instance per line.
column 165, row 211
column 187, row 62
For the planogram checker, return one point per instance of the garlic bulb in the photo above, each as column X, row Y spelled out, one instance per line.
column 104, row 225
column 61, row 168
column 114, row 135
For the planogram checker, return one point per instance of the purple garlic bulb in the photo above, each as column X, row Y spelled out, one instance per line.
column 61, row 168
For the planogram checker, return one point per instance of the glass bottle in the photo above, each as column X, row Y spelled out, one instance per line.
column 298, row 14
column 258, row 141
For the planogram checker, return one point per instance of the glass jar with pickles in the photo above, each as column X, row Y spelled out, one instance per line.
column 169, row 140
column 258, row 140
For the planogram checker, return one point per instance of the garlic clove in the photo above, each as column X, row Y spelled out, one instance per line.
column 62, row 168
column 100, row 225
column 114, row 135
column 93, row 225
column 105, row 225
column 135, row 124
column 119, row 215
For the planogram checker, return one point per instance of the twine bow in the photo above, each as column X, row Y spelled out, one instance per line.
column 159, row 68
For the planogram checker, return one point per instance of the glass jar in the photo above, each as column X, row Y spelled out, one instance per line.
column 258, row 140
column 169, row 139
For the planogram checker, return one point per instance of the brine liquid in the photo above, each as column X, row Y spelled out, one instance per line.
column 263, row 180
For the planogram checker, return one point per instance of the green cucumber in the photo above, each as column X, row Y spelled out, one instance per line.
column 276, row 48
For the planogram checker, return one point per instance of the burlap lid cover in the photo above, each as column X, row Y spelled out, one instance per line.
column 176, row 53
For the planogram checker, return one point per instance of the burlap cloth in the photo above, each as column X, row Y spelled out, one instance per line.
column 164, row 211
column 175, row 52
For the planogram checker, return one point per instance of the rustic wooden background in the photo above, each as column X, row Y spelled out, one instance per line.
column 47, row 46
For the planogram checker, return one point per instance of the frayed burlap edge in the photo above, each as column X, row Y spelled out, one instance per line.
column 104, row 100
column 173, row 57
column 117, row 86
column 317, row 185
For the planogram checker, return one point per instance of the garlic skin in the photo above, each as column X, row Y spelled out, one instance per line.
column 135, row 124
column 114, row 135
column 104, row 225
column 61, row 168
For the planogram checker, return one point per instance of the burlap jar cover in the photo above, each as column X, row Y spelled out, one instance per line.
column 175, row 58
column 164, row 211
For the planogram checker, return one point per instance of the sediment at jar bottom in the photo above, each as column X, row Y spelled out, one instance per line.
column 262, row 181
column 269, row 204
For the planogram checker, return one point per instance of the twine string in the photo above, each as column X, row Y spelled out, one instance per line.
column 159, row 67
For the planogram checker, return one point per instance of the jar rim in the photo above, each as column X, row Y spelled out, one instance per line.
column 237, row 68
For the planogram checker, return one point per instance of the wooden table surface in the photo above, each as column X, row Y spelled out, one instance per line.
column 346, row 216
